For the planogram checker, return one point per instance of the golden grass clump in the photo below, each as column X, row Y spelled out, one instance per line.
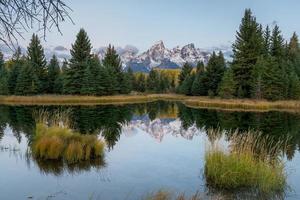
column 53, row 143
column 249, row 162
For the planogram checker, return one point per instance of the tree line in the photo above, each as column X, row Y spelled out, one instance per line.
column 83, row 74
column 264, row 66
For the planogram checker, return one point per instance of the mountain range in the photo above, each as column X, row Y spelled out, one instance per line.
column 156, row 56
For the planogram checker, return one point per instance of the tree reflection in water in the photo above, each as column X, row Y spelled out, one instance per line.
column 108, row 121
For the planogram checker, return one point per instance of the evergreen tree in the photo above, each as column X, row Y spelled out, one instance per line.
column 114, row 67
column 267, row 41
column 104, row 84
column 200, row 67
column 17, row 62
column 185, row 71
column 214, row 71
column 153, row 81
column 294, row 86
column 80, row 57
column 53, row 75
column 273, row 81
column 141, row 83
column 27, row 81
column 294, row 53
column 246, row 50
column 186, row 86
column 227, row 87
column 88, row 87
column 277, row 45
column 36, row 58
column 3, row 77
column 126, row 83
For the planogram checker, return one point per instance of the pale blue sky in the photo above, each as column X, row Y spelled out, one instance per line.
column 177, row 22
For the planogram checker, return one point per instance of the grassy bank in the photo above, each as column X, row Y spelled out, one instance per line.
column 196, row 102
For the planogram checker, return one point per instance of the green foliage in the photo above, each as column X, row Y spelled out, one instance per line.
column 273, row 80
column 27, row 82
column 81, row 55
column 4, row 89
column 36, row 58
column 186, row 86
column 227, row 86
column 247, row 48
column 113, row 65
column 214, row 72
column 153, row 81
column 54, row 79
column 140, row 83
column 17, row 63
column 185, row 71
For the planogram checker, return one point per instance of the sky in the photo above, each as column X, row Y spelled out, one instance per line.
column 206, row 23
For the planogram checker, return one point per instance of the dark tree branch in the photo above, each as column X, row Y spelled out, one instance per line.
column 18, row 16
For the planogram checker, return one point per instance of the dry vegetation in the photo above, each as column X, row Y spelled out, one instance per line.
column 196, row 102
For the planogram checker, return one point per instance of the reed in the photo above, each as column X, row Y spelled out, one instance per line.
column 252, row 161
column 59, row 143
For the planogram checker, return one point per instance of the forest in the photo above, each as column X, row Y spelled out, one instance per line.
column 264, row 66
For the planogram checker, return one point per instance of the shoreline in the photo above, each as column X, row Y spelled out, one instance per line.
column 190, row 101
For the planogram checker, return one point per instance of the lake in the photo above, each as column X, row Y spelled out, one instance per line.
column 151, row 146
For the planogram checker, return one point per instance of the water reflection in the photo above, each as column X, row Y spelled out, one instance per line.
column 157, row 119
column 160, row 120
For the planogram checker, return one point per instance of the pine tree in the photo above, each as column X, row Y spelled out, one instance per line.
column 36, row 58
column 186, row 86
column 3, row 77
column 294, row 53
column 153, row 81
column 104, row 84
column 114, row 66
column 273, row 80
column 27, row 81
column 18, row 62
column 227, row 87
column 277, row 45
column 88, row 87
column 80, row 57
column 53, row 75
column 185, row 71
column 214, row 71
column 141, row 83
column 200, row 67
column 267, row 42
column 246, row 50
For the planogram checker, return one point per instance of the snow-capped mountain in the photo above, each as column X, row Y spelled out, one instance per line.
column 159, row 128
column 156, row 56
column 159, row 56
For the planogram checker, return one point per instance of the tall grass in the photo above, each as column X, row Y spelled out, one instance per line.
column 55, row 143
column 251, row 161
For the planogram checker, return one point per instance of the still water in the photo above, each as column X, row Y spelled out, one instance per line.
column 151, row 146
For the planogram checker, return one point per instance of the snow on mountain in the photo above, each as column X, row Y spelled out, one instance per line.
column 159, row 128
column 156, row 56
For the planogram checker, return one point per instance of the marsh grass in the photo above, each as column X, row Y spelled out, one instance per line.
column 56, row 143
column 251, row 161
